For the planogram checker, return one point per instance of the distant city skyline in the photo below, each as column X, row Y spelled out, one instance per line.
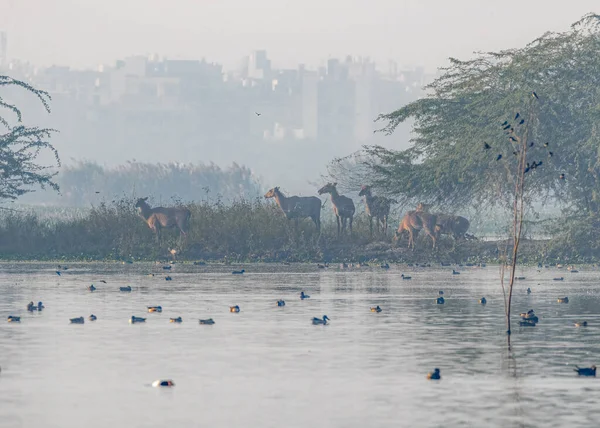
column 410, row 32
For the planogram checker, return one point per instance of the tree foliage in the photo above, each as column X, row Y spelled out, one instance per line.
column 447, row 164
column 20, row 147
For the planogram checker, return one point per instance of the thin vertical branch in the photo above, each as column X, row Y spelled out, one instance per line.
column 518, row 212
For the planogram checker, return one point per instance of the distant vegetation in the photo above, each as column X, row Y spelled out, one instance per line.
column 244, row 230
column 88, row 183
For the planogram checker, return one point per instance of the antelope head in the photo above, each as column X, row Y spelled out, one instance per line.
column 271, row 193
column 421, row 207
column 364, row 190
column 141, row 202
column 328, row 188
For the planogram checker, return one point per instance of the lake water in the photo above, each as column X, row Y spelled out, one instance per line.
column 270, row 367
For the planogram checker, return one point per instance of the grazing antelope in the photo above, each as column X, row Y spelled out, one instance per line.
column 343, row 207
column 297, row 207
column 413, row 222
column 378, row 207
column 454, row 225
column 163, row 218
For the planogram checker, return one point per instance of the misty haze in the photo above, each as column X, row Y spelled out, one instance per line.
column 299, row 214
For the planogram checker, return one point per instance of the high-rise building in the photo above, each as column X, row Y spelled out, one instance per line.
column 3, row 47
column 259, row 67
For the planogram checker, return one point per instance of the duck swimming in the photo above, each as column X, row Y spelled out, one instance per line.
column 483, row 300
column 385, row 266
column 40, row 306
column 376, row 309
column 585, row 371
column 176, row 320
column 135, row 319
column 406, row 278
column 238, row 272
column 160, row 383
column 12, row 318
column 304, row 296
column 581, row 324
column 207, row 322
column 558, row 279
column 528, row 290
column 168, row 278
column 92, row 317
column 441, row 292
column 281, row 303
column 528, row 314
column 527, row 323
column 79, row 320
column 321, row 321
column 440, row 301
column 563, row 300
column 125, row 289
column 92, row 288
column 234, row 309
column 154, row 308
column 455, row 272
column 434, row 375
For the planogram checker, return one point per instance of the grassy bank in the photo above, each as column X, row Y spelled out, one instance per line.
column 244, row 231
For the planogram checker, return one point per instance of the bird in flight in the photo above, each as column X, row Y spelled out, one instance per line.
column 256, row 113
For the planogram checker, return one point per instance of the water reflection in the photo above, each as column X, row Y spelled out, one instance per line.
column 268, row 366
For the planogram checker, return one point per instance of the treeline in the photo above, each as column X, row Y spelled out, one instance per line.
column 86, row 183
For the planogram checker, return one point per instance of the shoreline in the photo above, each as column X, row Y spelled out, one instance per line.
column 473, row 252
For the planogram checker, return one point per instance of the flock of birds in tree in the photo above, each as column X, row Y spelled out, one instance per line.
column 509, row 129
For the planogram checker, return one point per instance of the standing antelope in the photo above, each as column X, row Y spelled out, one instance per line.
column 163, row 218
column 343, row 207
column 413, row 222
column 296, row 207
column 378, row 207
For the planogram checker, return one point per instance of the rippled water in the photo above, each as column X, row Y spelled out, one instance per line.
column 269, row 367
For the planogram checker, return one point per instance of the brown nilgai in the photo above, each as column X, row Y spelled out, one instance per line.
column 415, row 221
column 343, row 207
column 297, row 207
column 446, row 224
column 452, row 225
column 378, row 207
column 164, row 218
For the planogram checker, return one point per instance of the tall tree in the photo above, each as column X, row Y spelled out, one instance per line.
column 20, row 147
column 447, row 163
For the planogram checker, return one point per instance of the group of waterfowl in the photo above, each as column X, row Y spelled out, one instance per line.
column 528, row 319
column 135, row 320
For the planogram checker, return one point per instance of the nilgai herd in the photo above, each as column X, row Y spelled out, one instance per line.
column 302, row 207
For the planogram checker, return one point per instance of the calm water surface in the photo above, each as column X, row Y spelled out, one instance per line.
column 269, row 367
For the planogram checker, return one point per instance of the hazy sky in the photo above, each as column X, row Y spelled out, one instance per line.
column 84, row 33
